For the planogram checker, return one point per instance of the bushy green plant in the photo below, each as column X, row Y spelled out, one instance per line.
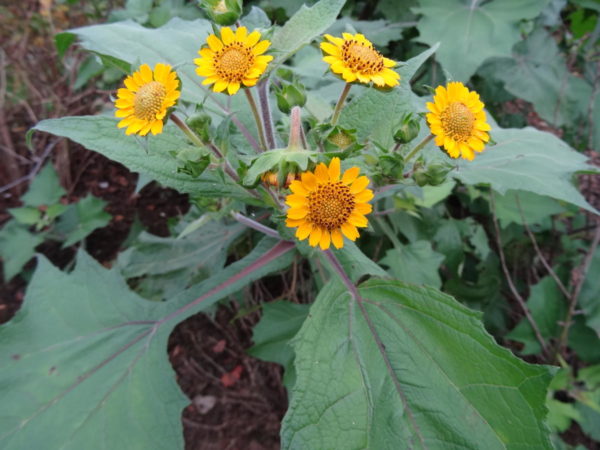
column 396, row 350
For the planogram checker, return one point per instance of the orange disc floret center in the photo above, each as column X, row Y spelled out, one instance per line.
column 330, row 205
column 457, row 121
column 149, row 100
column 233, row 62
column 361, row 57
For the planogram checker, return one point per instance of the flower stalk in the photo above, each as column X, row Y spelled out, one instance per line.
column 265, row 109
column 340, row 104
column 257, row 119
column 418, row 147
column 200, row 143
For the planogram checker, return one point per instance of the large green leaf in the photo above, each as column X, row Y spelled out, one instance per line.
column 415, row 263
column 303, row 27
column 529, row 160
column 84, row 362
column 472, row 31
column 538, row 73
column 375, row 114
column 100, row 133
column 176, row 43
column 408, row 367
column 203, row 250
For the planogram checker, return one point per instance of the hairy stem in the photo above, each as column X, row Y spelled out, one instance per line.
column 257, row 119
column 265, row 109
column 418, row 147
column 340, row 104
column 250, row 223
column 200, row 143
column 295, row 140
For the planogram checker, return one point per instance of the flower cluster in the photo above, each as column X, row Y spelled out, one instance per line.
column 325, row 204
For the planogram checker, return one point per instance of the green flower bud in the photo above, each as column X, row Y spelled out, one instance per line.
column 433, row 175
column 408, row 129
column 200, row 124
column 222, row 12
column 290, row 96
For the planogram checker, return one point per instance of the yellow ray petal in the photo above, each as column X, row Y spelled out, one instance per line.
column 359, row 184
column 227, row 35
column 315, row 236
column 334, row 169
column 325, row 240
column 350, row 175
column 337, row 239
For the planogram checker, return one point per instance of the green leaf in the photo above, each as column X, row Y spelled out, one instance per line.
column 375, row 114
column 26, row 215
column 62, row 42
column 415, row 263
column 548, row 307
column 303, row 27
column 561, row 414
column 528, row 160
column 100, row 133
column 408, row 367
column 356, row 263
column 278, row 325
column 17, row 247
column 45, row 189
column 176, row 43
column 473, row 31
column 589, row 299
column 82, row 218
column 535, row 208
column 85, row 363
column 201, row 251
column 539, row 74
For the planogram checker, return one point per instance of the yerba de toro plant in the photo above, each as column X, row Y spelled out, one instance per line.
column 352, row 159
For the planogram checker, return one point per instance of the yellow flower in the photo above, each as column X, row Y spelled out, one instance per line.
column 458, row 121
column 323, row 206
column 354, row 58
column 145, row 99
column 235, row 59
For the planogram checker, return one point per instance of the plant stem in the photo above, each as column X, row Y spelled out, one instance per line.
column 295, row 140
column 340, row 104
column 257, row 119
column 511, row 285
column 255, row 225
column 418, row 147
column 564, row 336
column 265, row 109
column 200, row 143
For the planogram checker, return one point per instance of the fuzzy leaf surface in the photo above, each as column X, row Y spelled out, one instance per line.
column 84, row 364
column 420, row 373
column 100, row 133
column 472, row 31
column 529, row 160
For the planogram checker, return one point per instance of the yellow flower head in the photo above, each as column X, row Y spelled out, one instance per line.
column 457, row 120
column 323, row 205
column 235, row 59
column 354, row 58
column 145, row 99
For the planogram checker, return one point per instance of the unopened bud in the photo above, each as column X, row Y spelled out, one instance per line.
column 200, row 124
column 222, row 12
column 408, row 129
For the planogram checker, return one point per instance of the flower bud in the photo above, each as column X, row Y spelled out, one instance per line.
column 290, row 96
column 200, row 124
column 433, row 175
column 222, row 12
column 408, row 129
